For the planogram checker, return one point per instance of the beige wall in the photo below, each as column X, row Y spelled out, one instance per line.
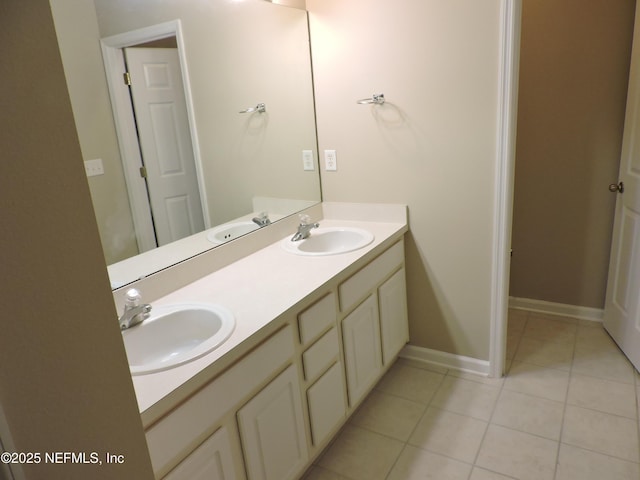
column 77, row 33
column 64, row 379
column 432, row 145
column 573, row 80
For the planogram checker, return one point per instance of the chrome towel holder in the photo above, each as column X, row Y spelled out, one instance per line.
column 377, row 99
column 260, row 108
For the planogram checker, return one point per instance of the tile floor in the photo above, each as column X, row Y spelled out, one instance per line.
column 567, row 410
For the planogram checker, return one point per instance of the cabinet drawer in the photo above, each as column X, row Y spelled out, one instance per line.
column 327, row 403
column 321, row 354
column 172, row 437
column 317, row 318
column 359, row 285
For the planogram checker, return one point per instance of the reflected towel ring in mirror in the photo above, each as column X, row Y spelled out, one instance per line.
column 260, row 108
column 378, row 99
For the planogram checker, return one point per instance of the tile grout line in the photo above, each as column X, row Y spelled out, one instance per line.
column 495, row 406
column 564, row 407
column 590, row 450
column 426, row 407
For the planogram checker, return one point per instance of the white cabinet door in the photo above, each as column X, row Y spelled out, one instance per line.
column 362, row 354
column 210, row 461
column 272, row 430
column 394, row 324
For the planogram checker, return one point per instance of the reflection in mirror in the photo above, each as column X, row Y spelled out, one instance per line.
column 229, row 56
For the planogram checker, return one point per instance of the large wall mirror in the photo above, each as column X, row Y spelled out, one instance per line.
column 216, row 128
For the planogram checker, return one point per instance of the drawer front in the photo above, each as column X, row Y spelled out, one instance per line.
column 358, row 286
column 317, row 318
column 321, row 354
column 327, row 404
column 172, row 437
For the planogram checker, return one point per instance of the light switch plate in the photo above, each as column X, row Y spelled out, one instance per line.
column 94, row 167
column 330, row 160
column 307, row 160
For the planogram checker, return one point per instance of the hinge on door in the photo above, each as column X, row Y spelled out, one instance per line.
column 127, row 78
column 143, row 172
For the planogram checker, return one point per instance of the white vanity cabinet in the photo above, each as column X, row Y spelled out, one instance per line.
column 376, row 329
column 175, row 437
column 269, row 415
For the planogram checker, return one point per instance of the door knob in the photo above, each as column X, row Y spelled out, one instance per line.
column 617, row 187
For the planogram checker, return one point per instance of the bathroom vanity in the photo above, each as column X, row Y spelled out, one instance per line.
column 313, row 335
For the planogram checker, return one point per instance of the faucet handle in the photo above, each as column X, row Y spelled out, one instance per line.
column 132, row 298
column 304, row 219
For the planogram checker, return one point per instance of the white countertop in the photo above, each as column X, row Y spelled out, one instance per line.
column 258, row 289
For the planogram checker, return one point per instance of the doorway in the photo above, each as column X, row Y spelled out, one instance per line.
column 156, row 133
column 574, row 73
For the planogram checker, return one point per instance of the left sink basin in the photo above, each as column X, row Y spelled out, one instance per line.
column 176, row 334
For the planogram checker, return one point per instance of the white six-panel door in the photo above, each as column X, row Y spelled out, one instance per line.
column 622, row 306
column 165, row 142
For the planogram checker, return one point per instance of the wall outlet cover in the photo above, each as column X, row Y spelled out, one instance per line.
column 330, row 161
column 94, row 167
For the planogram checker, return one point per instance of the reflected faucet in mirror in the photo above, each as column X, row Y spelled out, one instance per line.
column 262, row 220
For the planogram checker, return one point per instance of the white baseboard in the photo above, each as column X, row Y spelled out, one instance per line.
column 553, row 308
column 446, row 360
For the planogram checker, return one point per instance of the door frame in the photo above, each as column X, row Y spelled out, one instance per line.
column 113, row 58
column 508, row 70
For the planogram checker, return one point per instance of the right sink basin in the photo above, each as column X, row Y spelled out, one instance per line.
column 329, row 241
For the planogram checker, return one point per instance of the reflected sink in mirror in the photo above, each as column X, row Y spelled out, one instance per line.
column 230, row 231
column 329, row 241
column 176, row 334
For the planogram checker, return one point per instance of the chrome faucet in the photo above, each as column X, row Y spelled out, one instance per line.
column 304, row 229
column 134, row 311
column 262, row 220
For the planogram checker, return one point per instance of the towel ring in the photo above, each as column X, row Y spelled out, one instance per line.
column 377, row 99
column 260, row 108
